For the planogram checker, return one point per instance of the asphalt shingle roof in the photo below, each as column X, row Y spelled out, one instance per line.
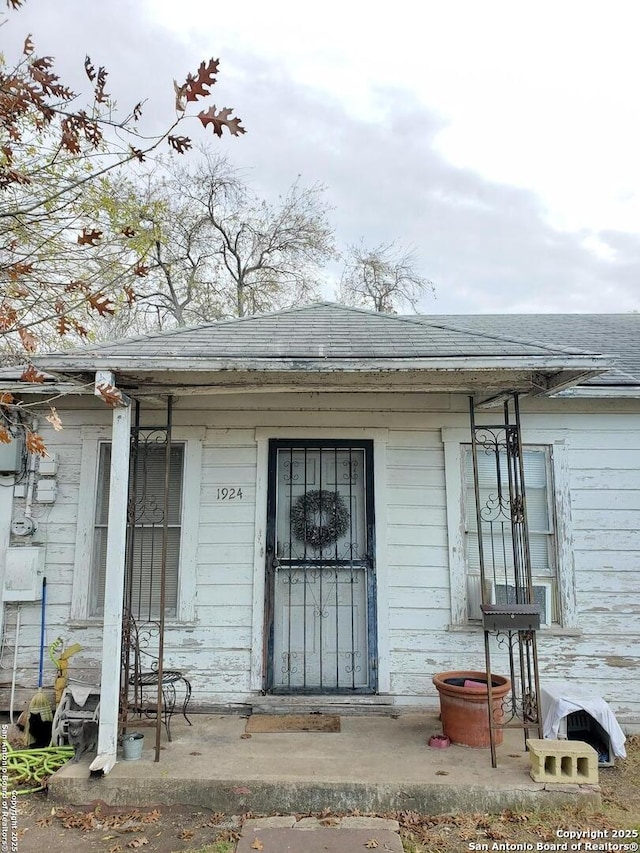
column 325, row 330
column 615, row 335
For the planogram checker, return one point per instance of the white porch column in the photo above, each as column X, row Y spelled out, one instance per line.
column 114, row 584
column 6, row 507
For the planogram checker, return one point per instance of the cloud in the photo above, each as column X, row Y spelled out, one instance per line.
column 488, row 247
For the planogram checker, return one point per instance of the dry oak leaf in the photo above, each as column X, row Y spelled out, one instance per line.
column 179, row 143
column 5, row 436
column 63, row 325
column 371, row 844
column 110, row 394
column 35, row 443
column 130, row 294
column 99, row 93
column 219, row 119
column 128, row 232
column 54, row 419
column 186, row 834
column 102, row 304
column 71, row 143
column 88, row 67
column 11, row 176
column 28, row 340
column 137, row 153
column 140, row 270
column 28, row 46
column 257, row 845
column 180, row 91
column 30, row 374
column 8, row 315
column 17, row 270
column 198, row 87
column 76, row 285
column 138, row 842
column 6, row 398
column 89, row 237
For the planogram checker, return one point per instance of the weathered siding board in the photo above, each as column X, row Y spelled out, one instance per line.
column 617, row 583
column 419, row 556
column 604, row 457
column 213, row 533
column 609, row 480
column 612, row 519
column 615, row 540
column 608, row 561
column 417, row 515
column 427, row 597
column 419, row 617
column 617, row 498
column 218, row 594
column 230, row 554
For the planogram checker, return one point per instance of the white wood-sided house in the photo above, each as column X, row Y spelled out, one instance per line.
column 319, row 522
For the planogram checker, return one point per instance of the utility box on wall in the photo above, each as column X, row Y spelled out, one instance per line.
column 11, row 457
column 23, row 574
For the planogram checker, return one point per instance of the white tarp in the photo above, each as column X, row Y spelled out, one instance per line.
column 559, row 700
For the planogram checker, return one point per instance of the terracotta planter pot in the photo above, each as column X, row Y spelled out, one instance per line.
column 464, row 710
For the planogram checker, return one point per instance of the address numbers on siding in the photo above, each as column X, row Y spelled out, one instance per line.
column 229, row 493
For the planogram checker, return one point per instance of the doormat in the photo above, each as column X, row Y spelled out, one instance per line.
column 267, row 723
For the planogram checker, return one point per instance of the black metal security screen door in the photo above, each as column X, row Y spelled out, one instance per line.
column 320, row 568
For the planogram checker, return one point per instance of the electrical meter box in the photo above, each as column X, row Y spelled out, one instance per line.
column 48, row 465
column 11, row 457
column 46, row 490
column 23, row 574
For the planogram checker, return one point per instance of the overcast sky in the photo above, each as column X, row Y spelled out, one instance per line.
column 500, row 139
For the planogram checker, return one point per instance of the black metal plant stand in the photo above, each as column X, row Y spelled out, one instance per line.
column 146, row 559
column 503, row 544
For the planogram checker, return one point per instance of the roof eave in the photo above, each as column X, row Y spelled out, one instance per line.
column 629, row 392
column 68, row 365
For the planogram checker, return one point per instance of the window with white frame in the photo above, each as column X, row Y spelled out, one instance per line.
column 496, row 536
column 146, row 547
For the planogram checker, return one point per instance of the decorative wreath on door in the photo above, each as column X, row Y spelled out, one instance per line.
column 319, row 518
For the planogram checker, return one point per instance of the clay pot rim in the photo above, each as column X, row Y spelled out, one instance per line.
column 500, row 689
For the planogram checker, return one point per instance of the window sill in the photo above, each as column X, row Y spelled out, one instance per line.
column 97, row 621
column 547, row 630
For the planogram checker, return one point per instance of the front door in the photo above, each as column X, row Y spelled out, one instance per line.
column 320, row 568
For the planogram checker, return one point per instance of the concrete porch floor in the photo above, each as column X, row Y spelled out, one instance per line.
column 376, row 764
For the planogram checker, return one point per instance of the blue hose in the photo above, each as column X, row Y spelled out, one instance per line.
column 44, row 601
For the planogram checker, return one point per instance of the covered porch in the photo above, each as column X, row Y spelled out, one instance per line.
column 321, row 350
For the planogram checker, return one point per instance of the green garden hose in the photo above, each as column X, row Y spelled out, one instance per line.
column 29, row 766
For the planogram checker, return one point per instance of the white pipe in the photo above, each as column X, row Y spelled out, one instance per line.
column 31, row 482
column 15, row 666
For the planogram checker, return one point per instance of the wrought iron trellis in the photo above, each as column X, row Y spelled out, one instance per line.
column 505, row 561
column 145, row 565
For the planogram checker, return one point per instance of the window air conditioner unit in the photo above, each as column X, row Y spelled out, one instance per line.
column 505, row 593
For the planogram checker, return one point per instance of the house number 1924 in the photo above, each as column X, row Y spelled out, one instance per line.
column 229, row 493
